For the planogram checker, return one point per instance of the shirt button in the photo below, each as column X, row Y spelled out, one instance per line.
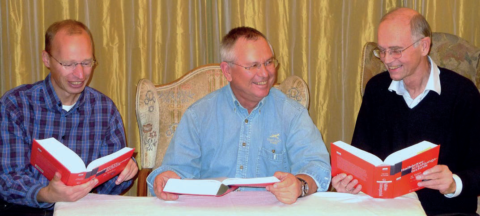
column 241, row 167
column 246, row 121
column 244, row 144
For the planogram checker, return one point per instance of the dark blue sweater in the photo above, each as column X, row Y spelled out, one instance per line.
column 386, row 124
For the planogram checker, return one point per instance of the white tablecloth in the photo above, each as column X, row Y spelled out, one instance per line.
column 242, row 203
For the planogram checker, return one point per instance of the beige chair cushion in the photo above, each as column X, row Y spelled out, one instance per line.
column 160, row 108
column 448, row 51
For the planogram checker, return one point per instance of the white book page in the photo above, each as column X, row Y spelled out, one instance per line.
column 105, row 159
column 192, row 186
column 62, row 153
column 371, row 158
column 245, row 181
column 408, row 152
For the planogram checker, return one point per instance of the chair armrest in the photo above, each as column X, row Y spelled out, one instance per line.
column 142, row 181
column 148, row 122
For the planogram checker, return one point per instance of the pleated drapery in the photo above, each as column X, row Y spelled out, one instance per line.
column 318, row 40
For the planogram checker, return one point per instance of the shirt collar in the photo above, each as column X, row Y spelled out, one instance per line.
column 236, row 104
column 51, row 98
column 433, row 83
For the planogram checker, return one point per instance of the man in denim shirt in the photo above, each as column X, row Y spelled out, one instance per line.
column 247, row 129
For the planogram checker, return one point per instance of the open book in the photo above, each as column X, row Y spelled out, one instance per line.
column 215, row 187
column 50, row 156
column 385, row 179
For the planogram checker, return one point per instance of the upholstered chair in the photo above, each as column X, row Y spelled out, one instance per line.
column 160, row 107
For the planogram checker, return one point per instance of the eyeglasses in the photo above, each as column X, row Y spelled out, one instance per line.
column 270, row 64
column 394, row 53
column 72, row 66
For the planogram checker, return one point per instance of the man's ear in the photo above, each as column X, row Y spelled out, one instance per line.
column 227, row 72
column 426, row 44
column 46, row 59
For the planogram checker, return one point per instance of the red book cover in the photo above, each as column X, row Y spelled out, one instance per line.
column 49, row 156
column 385, row 179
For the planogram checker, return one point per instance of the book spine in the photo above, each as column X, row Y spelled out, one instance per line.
column 383, row 184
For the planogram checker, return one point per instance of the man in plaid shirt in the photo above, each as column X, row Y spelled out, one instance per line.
column 61, row 106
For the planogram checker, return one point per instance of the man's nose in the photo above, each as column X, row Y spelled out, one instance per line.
column 262, row 71
column 78, row 71
column 388, row 58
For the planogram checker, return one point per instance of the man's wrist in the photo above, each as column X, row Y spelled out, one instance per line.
column 303, row 187
column 457, row 182
column 43, row 195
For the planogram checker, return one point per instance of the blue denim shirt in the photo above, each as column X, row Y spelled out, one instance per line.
column 217, row 137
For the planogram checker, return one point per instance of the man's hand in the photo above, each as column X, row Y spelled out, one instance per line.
column 161, row 181
column 343, row 183
column 438, row 178
column 128, row 173
column 287, row 190
column 57, row 191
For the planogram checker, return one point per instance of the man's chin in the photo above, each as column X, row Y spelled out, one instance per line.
column 76, row 90
column 394, row 76
column 263, row 94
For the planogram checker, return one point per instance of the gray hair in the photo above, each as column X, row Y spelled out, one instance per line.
column 229, row 40
column 420, row 27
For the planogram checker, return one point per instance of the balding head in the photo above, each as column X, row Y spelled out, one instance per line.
column 419, row 26
column 406, row 32
column 72, row 27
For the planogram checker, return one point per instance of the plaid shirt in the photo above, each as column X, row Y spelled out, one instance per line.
column 93, row 128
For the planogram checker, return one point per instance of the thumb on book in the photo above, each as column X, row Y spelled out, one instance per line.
column 57, row 176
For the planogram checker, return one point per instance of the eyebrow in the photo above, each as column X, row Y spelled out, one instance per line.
column 392, row 47
column 257, row 62
column 72, row 61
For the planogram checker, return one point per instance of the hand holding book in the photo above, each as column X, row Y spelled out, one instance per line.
column 444, row 180
column 346, row 184
column 393, row 177
column 57, row 191
column 128, row 172
column 159, row 185
column 50, row 156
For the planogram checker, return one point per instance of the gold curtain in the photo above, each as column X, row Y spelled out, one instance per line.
column 318, row 40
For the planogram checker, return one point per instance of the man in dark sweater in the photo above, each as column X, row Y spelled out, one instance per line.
column 415, row 101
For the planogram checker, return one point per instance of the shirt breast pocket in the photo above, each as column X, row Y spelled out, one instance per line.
column 270, row 161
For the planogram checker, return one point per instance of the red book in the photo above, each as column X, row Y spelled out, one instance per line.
column 385, row 179
column 215, row 187
column 50, row 156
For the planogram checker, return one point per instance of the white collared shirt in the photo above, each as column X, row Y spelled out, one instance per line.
column 433, row 84
column 68, row 107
